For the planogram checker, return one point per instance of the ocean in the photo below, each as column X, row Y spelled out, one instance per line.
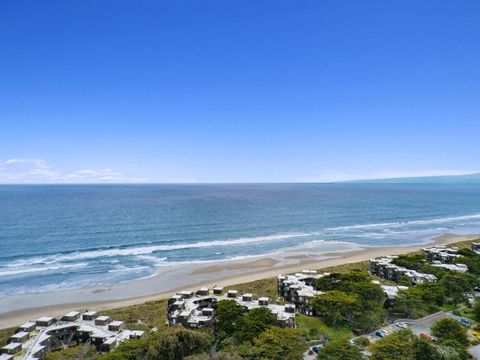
column 55, row 237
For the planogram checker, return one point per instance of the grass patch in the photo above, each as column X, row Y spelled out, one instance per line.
column 467, row 312
column 5, row 335
column 361, row 266
column 464, row 244
column 306, row 323
column 447, row 307
column 152, row 314
column 263, row 287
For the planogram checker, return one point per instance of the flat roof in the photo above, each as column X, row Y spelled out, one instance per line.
column 110, row 340
column 72, row 314
column 90, row 313
column 137, row 332
column 116, row 323
column 103, row 318
column 46, row 318
column 27, row 324
column 12, row 346
column 20, row 334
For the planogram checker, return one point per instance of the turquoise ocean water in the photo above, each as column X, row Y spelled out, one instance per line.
column 56, row 237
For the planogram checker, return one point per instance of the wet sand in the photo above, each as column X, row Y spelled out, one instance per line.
column 17, row 309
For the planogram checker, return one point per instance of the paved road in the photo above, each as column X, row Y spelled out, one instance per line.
column 422, row 326
column 389, row 329
column 474, row 351
column 419, row 326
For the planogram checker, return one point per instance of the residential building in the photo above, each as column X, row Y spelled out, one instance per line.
column 446, row 255
column 452, row 267
column 199, row 310
column 34, row 341
column 385, row 269
column 299, row 289
column 475, row 247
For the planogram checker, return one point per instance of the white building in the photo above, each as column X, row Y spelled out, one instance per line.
column 198, row 311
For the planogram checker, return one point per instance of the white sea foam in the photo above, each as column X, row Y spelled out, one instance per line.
column 122, row 268
column 143, row 250
column 406, row 223
column 24, row 270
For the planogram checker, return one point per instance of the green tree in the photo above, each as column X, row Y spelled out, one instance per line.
column 339, row 350
column 424, row 350
column 362, row 341
column 398, row 345
column 74, row 353
column 449, row 329
column 278, row 343
column 410, row 261
column 409, row 304
column 216, row 356
column 429, row 293
column 175, row 344
column 476, row 309
column 371, row 295
column 328, row 282
column 128, row 350
column 227, row 316
column 438, row 272
column 367, row 311
column 451, row 349
column 336, row 306
column 471, row 259
column 254, row 322
column 455, row 285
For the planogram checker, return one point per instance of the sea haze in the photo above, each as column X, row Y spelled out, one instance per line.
column 56, row 237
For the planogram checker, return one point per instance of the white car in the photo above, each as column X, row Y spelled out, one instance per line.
column 401, row 325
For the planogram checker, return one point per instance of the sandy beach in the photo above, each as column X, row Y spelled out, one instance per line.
column 16, row 309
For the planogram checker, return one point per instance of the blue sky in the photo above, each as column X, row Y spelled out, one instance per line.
column 237, row 91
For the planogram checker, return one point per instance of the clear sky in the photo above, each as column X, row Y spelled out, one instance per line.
column 237, row 90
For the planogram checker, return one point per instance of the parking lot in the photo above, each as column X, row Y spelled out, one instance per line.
column 419, row 326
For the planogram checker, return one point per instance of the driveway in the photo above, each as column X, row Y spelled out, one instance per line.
column 422, row 326
column 419, row 326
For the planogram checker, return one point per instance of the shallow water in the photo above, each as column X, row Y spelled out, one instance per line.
column 63, row 237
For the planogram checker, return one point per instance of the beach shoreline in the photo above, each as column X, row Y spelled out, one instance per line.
column 21, row 308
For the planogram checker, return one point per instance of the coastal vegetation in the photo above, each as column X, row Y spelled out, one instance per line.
column 350, row 304
column 350, row 298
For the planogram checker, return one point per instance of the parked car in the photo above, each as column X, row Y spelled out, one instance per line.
column 401, row 325
column 381, row 333
column 316, row 349
column 465, row 321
